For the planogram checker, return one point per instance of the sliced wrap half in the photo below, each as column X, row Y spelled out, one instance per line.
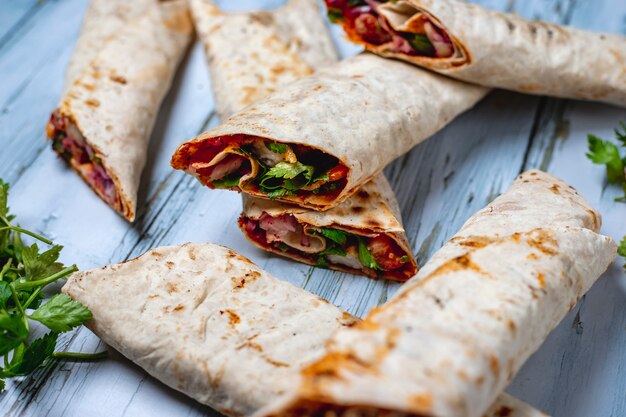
column 319, row 139
column 121, row 69
column 482, row 46
column 362, row 235
column 454, row 336
column 209, row 323
column 251, row 55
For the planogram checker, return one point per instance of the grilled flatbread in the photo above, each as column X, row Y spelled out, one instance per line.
column 472, row 43
column 252, row 55
column 452, row 338
column 122, row 67
column 334, row 131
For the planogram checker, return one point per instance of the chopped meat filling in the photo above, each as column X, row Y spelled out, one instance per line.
column 69, row 143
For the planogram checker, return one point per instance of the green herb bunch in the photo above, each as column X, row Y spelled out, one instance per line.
column 25, row 272
column 604, row 152
column 285, row 178
column 336, row 241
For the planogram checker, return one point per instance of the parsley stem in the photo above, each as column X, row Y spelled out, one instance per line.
column 16, row 299
column 43, row 282
column 26, row 232
column 76, row 356
column 5, row 268
column 32, row 297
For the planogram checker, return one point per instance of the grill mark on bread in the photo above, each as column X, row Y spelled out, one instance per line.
column 233, row 318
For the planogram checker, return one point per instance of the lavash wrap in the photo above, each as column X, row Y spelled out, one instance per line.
column 454, row 336
column 365, row 111
column 504, row 50
column 120, row 72
column 211, row 324
column 371, row 211
column 252, row 55
column 208, row 322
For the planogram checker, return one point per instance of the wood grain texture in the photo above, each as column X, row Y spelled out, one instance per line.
column 579, row 372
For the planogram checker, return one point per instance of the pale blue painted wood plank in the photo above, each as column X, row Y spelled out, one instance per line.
column 246, row 5
column 32, row 78
column 13, row 15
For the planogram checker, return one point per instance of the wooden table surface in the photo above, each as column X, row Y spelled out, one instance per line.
column 580, row 371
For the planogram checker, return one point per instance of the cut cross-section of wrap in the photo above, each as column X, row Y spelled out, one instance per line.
column 317, row 140
column 121, row 69
column 364, row 234
column 475, row 44
column 452, row 338
column 209, row 323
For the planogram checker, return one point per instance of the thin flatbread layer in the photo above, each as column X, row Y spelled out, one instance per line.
column 250, row 56
column 209, row 323
column 504, row 50
column 122, row 68
column 455, row 335
column 364, row 111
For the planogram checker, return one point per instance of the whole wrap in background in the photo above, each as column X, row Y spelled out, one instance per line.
column 209, row 323
column 507, row 51
column 454, row 336
column 365, row 111
column 121, row 70
column 252, row 55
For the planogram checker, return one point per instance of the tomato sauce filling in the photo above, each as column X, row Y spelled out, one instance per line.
column 281, row 169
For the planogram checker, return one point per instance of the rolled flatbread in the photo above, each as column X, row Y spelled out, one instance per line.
column 453, row 337
column 250, row 56
column 209, row 323
column 482, row 46
column 120, row 71
column 332, row 131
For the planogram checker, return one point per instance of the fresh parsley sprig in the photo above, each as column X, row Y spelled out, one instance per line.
column 282, row 179
column 24, row 273
column 621, row 250
column 604, row 152
column 277, row 147
column 335, row 245
column 422, row 44
column 336, row 242
column 334, row 14
column 366, row 258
